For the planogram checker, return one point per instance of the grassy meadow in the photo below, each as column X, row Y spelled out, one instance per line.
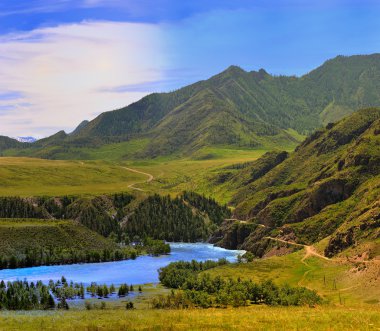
column 25, row 177
column 249, row 318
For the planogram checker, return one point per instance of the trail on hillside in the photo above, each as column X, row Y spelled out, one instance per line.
column 309, row 251
column 132, row 186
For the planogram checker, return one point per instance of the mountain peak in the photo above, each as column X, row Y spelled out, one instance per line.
column 259, row 75
column 77, row 130
column 234, row 70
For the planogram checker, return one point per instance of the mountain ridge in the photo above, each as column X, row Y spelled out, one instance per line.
column 250, row 109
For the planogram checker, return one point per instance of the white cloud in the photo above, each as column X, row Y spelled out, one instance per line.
column 65, row 74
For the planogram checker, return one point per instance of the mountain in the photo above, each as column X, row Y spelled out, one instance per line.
column 234, row 108
column 326, row 192
column 26, row 139
column 7, row 143
column 80, row 127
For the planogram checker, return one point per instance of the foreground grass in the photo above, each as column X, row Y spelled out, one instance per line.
column 250, row 318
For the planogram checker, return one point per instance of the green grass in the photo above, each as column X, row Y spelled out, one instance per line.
column 250, row 318
column 117, row 151
column 35, row 177
column 32, row 177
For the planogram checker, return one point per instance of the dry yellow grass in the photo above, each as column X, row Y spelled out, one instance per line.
column 250, row 318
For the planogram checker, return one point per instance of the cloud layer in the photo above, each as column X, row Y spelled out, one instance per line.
column 53, row 78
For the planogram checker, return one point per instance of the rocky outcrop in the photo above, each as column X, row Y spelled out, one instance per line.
column 232, row 234
column 339, row 242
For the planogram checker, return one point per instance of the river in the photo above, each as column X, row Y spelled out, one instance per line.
column 139, row 271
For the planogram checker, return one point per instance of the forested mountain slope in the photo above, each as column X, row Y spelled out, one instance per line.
column 234, row 108
column 329, row 188
column 6, row 143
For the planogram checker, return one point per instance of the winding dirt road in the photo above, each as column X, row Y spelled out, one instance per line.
column 309, row 250
column 132, row 186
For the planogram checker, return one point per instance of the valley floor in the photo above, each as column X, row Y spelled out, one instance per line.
column 249, row 318
column 27, row 177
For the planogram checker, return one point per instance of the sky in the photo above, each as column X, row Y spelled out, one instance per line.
column 65, row 61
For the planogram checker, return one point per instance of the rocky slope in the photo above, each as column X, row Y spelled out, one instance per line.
column 327, row 190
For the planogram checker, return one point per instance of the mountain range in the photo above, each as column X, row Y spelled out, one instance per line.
column 234, row 108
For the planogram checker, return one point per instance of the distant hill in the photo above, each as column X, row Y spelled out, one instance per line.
column 327, row 191
column 234, row 108
column 20, row 235
column 7, row 143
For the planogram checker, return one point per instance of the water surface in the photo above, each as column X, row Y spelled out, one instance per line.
column 140, row 271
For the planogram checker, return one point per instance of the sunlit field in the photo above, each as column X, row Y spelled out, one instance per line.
column 34, row 177
column 250, row 318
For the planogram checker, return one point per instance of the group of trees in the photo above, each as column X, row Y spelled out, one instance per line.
column 186, row 218
column 104, row 291
column 214, row 211
column 21, row 295
column 15, row 207
column 189, row 217
column 100, row 214
column 156, row 247
column 54, row 256
column 176, row 274
column 201, row 290
column 162, row 217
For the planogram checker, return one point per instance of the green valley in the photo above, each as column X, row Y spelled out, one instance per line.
column 216, row 162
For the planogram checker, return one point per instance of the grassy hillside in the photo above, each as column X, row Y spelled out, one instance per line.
column 328, row 188
column 9, row 143
column 31, row 177
column 19, row 235
column 234, row 108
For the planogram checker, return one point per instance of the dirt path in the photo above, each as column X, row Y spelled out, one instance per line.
column 309, row 251
column 132, row 186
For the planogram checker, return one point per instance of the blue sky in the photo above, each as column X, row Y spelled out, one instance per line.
column 64, row 61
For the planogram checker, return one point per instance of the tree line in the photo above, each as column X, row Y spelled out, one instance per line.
column 21, row 295
column 56, row 255
column 100, row 214
column 24, row 295
column 189, row 217
column 216, row 212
